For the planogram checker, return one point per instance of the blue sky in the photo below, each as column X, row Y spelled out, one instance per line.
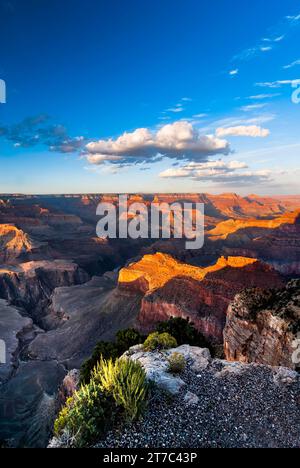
column 152, row 96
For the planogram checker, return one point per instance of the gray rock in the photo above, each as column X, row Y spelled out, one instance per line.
column 28, row 403
column 199, row 358
column 191, row 399
column 284, row 376
column 12, row 327
column 156, row 366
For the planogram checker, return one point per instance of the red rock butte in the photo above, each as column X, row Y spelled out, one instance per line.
column 159, row 269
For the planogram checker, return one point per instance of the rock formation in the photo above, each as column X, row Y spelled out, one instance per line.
column 214, row 403
column 170, row 288
column 262, row 327
column 14, row 243
column 30, row 285
column 13, row 329
column 226, row 228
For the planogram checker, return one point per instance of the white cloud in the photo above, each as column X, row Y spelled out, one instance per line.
column 180, row 140
column 248, row 131
column 234, row 72
column 252, row 107
column 291, row 65
column 264, row 96
column 278, row 84
column 218, row 171
column 178, row 108
column 274, row 36
column 294, row 18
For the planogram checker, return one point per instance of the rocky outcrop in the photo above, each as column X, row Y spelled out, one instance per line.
column 157, row 368
column 214, row 403
column 173, row 289
column 14, row 243
column 262, row 327
column 30, row 285
column 69, row 386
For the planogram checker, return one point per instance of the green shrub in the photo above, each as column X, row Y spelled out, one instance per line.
column 116, row 389
column 131, row 388
column 157, row 341
column 125, row 339
column 86, row 416
column 104, row 350
column 177, row 363
column 183, row 331
column 126, row 381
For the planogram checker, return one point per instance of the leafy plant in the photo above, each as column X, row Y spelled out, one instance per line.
column 125, row 339
column 126, row 381
column 157, row 341
column 87, row 415
column 177, row 363
column 183, row 331
column 131, row 388
column 103, row 349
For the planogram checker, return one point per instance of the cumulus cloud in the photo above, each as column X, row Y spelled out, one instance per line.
column 179, row 140
column 38, row 130
column 248, row 131
column 219, row 172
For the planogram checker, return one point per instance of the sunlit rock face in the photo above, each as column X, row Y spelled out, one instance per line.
column 174, row 289
column 262, row 327
column 224, row 229
column 14, row 243
column 275, row 241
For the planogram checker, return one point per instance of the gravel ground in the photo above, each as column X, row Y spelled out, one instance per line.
column 244, row 409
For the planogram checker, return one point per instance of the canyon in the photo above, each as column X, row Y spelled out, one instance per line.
column 62, row 289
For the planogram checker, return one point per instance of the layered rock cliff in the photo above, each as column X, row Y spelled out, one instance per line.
column 15, row 243
column 30, row 285
column 275, row 241
column 173, row 289
column 262, row 327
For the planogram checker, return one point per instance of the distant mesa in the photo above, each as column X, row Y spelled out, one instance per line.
column 225, row 228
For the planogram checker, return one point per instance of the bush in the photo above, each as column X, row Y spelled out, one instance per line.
column 106, row 350
column 86, row 416
column 183, row 331
column 125, row 339
column 131, row 388
column 103, row 350
column 157, row 341
column 117, row 388
column 126, row 381
column 177, row 363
